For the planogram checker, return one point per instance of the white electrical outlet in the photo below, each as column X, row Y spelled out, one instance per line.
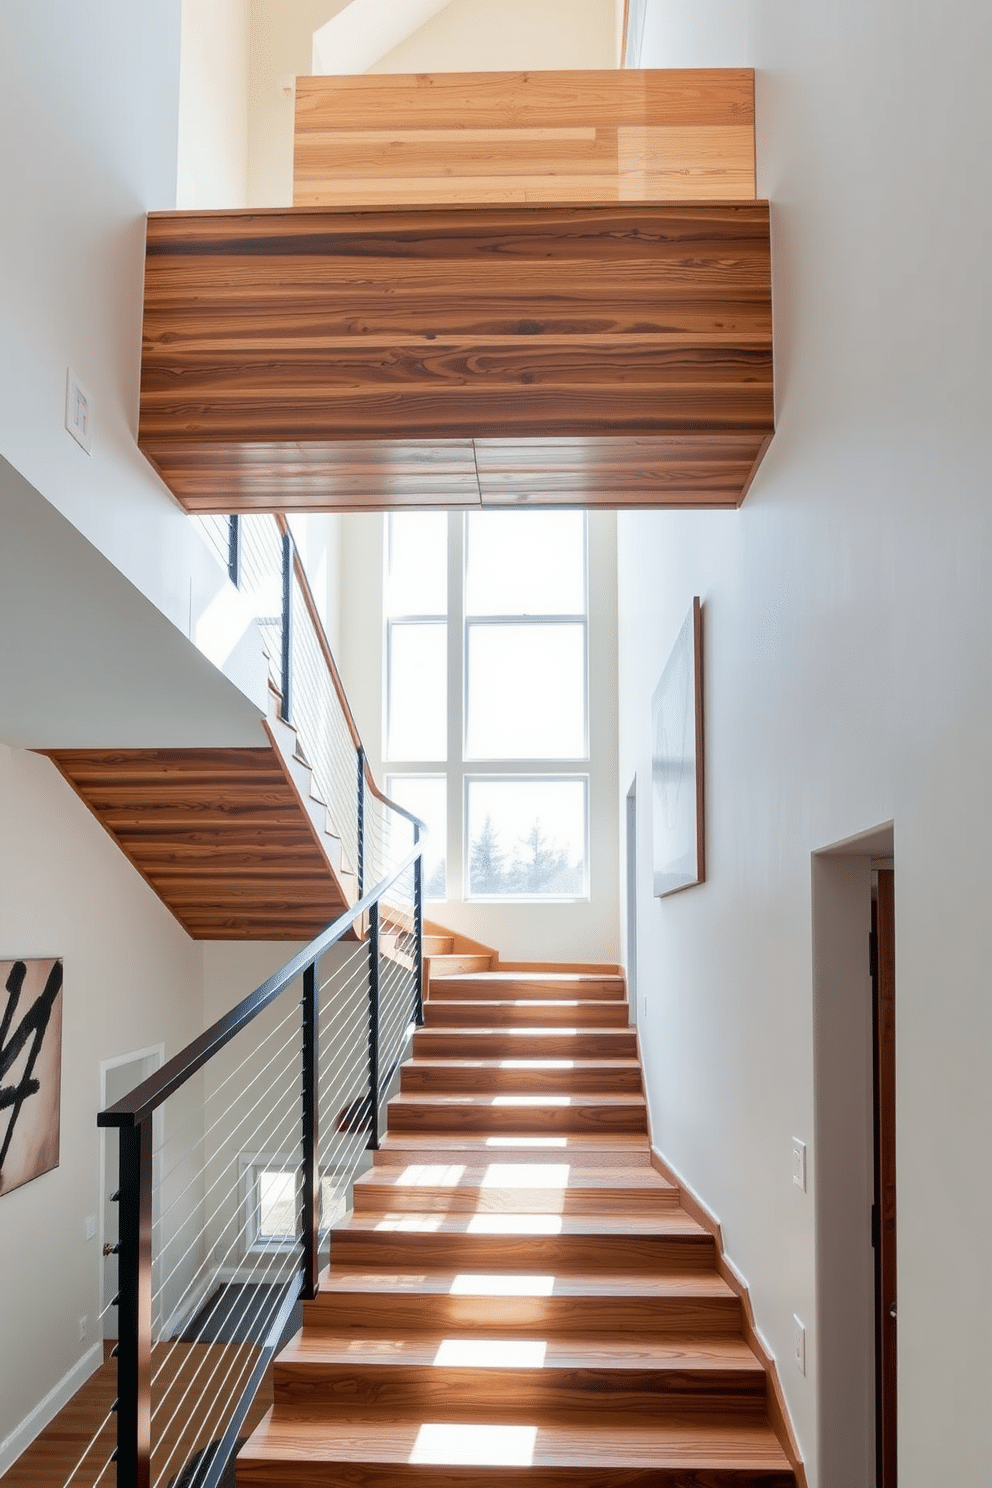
column 83, row 1324
column 799, row 1163
column 78, row 412
column 800, row 1343
column 89, row 1226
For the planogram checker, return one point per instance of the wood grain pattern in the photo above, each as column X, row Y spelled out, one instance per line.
column 332, row 360
column 547, row 1284
column 563, row 137
column 221, row 835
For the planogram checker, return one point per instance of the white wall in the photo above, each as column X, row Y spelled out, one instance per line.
column 281, row 49
column 580, row 931
column 89, row 104
column 213, row 105
column 132, row 980
column 483, row 36
column 848, row 640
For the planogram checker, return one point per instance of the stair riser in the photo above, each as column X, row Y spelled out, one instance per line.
column 419, row 1250
column 417, row 1079
column 547, row 1119
column 380, row 1315
column 311, row 1472
column 449, row 964
column 456, row 1394
column 442, row 1014
column 377, row 1198
column 451, row 989
column 436, row 1043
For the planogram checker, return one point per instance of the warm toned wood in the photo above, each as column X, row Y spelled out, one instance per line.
column 377, row 1454
column 467, row 1250
column 885, row 1078
column 432, row 1076
column 544, row 986
column 326, row 360
column 632, row 1304
column 561, row 137
column 520, row 1043
column 526, row 1012
column 221, row 835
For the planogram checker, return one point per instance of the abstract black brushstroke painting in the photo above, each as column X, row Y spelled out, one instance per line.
column 30, row 1069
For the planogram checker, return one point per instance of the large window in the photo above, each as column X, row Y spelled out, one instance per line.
column 487, row 697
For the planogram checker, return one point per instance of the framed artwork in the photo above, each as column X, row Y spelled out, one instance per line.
column 30, row 1069
column 678, row 837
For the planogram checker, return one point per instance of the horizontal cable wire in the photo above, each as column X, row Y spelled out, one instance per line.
column 292, row 1096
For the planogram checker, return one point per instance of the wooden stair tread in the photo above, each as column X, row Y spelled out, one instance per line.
column 612, row 1142
column 592, row 1351
column 536, row 1065
column 667, row 1222
column 442, row 1098
column 342, row 1279
column 683, row 1443
column 473, row 1175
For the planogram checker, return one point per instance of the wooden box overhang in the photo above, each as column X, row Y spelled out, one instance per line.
column 537, row 333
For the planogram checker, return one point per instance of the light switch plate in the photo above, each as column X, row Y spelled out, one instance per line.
column 799, row 1163
column 78, row 412
column 800, row 1343
column 89, row 1226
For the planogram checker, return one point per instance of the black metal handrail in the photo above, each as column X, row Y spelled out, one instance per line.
column 132, row 1116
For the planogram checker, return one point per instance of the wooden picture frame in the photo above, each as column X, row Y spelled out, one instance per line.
column 678, row 837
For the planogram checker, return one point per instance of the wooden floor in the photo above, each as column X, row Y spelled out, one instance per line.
column 83, row 1434
column 519, row 1294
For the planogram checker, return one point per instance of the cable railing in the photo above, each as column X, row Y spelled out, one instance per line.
column 236, row 1161
column 237, row 1158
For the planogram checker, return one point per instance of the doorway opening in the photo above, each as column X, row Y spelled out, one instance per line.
column 118, row 1076
column 853, row 901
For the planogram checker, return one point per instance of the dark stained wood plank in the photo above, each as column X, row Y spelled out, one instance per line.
column 333, row 360
column 221, row 836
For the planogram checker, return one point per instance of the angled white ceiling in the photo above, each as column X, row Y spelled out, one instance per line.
column 355, row 39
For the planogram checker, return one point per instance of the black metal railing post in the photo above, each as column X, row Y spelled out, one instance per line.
column 311, row 1132
column 373, row 1141
column 418, row 932
column 361, row 822
column 134, row 1307
column 287, row 627
column 234, row 549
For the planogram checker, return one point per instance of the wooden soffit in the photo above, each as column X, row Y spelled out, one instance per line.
column 382, row 354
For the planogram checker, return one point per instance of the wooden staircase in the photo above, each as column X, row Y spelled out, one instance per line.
column 236, row 842
column 519, row 1294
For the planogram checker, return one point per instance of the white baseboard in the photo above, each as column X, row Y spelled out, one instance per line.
column 46, row 1410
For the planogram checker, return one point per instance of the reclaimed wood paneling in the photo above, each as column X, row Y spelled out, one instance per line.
column 360, row 360
column 501, row 137
column 219, row 834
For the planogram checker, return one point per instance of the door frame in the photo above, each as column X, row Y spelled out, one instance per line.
column 844, row 1154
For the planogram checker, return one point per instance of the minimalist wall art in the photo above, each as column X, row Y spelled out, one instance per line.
column 30, row 1069
column 677, row 763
